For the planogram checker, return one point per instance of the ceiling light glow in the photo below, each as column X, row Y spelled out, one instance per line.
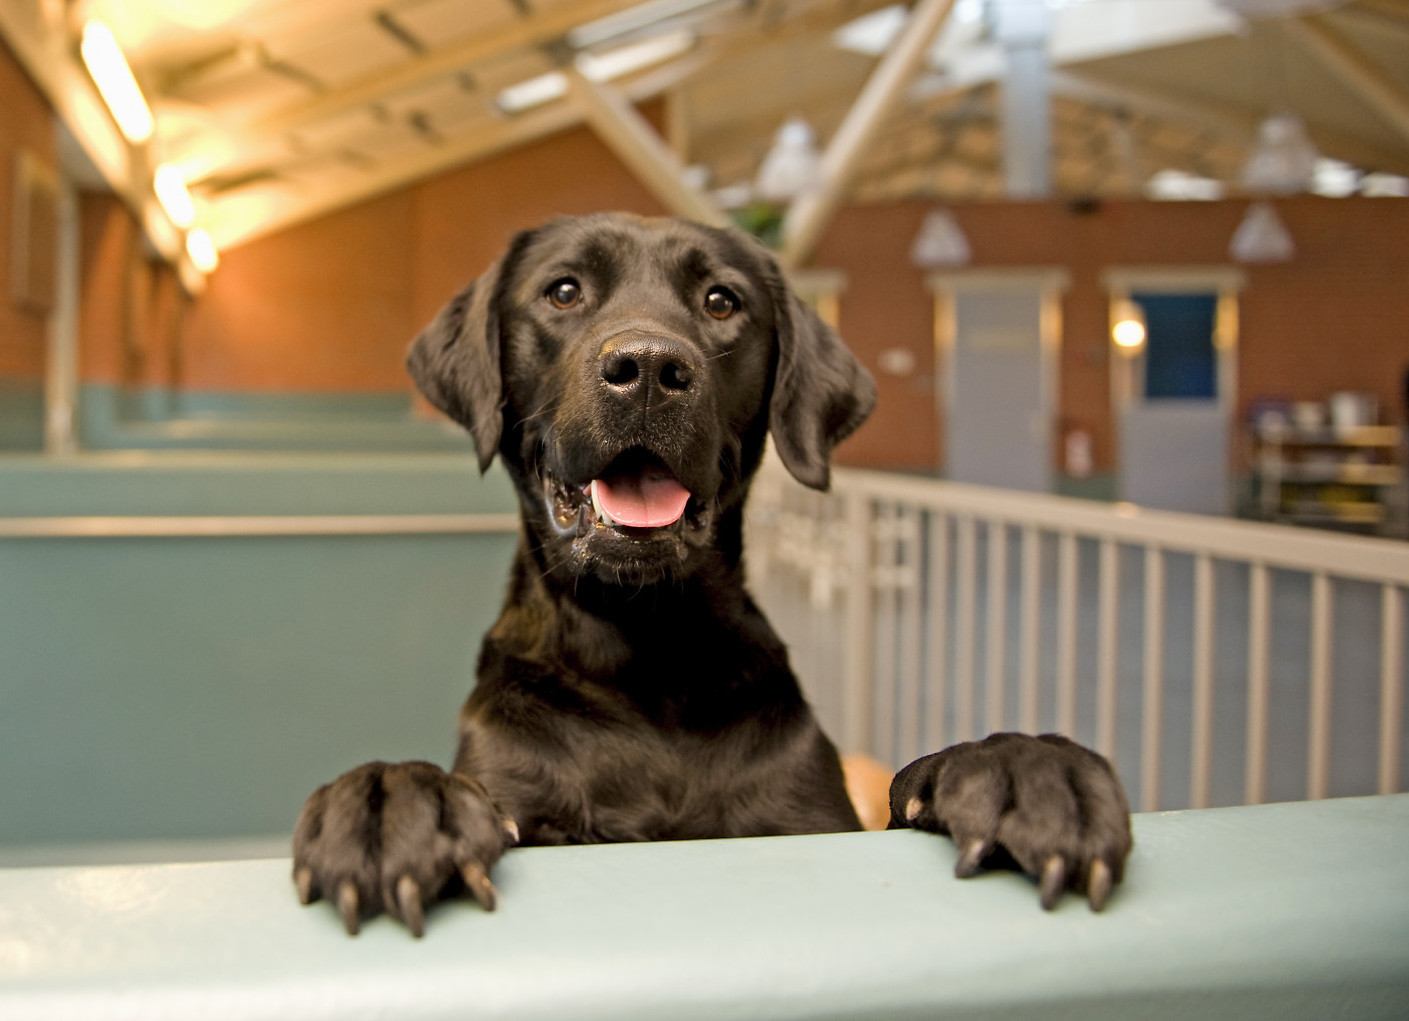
column 201, row 249
column 116, row 83
column 624, row 60
column 170, row 186
column 596, row 67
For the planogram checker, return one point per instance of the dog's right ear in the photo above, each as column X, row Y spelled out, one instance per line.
column 455, row 360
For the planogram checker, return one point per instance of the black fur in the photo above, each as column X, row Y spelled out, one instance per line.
column 631, row 689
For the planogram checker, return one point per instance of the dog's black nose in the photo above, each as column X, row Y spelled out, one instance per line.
column 641, row 365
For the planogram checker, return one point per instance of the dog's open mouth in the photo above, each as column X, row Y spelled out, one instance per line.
column 636, row 496
column 648, row 498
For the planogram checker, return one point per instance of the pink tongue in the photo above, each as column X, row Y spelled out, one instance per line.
column 652, row 499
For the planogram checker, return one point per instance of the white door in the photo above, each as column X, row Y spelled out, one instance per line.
column 998, row 334
column 1173, row 391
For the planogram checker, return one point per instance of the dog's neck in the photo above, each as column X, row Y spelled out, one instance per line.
column 596, row 629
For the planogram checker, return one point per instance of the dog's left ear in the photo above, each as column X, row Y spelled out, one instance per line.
column 455, row 360
column 821, row 393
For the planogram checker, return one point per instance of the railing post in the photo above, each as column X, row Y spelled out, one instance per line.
column 1153, row 693
column 1391, row 687
column 1108, row 617
column 1201, row 755
column 964, row 626
column 1318, row 752
column 938, row 653
column 1066, row 633
column 856, row 725
column 1031, row 627
column 884, row 581
column 911, row 634
column 995, row 660
column 1259, row 635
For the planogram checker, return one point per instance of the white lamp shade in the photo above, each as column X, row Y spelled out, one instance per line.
column 940, row 242
column 1283, row 160
column 1262, row 236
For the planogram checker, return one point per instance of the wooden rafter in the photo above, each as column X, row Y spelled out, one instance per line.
column 499, row 135
column 811, row 212
column 1339, row 56
column 622, row 128
column 1226, row 120
column 541, row 28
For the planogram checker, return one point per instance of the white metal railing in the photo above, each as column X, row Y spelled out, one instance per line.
column 1186, row 648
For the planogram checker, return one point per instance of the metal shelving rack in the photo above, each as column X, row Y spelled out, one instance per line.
column 1328, row 477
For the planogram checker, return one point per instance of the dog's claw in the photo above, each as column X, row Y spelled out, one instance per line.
column 974, row 853
column 479, row 886
column 1053, row 881
column 511, row 830
column 303, row 882
column 1098, row 885
column 408, row 903
column 348, row 907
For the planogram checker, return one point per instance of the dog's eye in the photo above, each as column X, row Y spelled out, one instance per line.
column 721, row 303
column 565, row 293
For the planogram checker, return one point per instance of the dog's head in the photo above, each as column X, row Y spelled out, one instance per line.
column 628, row 370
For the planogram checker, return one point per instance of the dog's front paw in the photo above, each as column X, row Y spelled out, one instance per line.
column 1054, row 808
column 394, row 837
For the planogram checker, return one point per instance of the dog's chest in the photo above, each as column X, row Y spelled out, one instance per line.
column 631, row 781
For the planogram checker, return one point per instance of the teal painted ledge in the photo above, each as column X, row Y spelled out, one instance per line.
column 116, row 418
column 1281, row 912
column 232, row 482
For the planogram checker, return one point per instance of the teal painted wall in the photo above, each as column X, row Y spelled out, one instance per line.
column 173, row 688
column 21, row 415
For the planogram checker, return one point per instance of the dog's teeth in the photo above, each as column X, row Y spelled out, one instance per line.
column 602, row 515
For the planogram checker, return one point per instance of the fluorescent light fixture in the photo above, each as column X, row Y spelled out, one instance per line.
column 633, row 57
column 596, row 67
column 1384, row 186
column 1334, row 179
column 1283, row 160
column 871, row 34
column 633, row 19
column 115, row 82
column 202, row 251
column 792, row 166
column 534, row 92
column 1180, row 186
column 170, row 187
column 1128, row 329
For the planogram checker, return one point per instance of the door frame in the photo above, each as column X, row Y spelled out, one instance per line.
column 1051, row 282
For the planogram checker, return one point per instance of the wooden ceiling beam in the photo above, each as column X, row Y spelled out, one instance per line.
column 1232, row 122
column 232, row 223
column 630, row 136
column 1348, row 63
column 538, row 29
column 811, row 212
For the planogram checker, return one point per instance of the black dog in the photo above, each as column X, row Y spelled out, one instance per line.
column 627, row 371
